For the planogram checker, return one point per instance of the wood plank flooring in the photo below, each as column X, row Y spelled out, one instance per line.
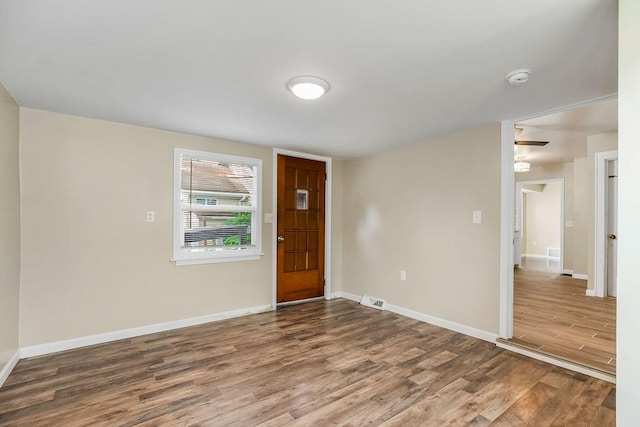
column 321, row 363
column 553, row 315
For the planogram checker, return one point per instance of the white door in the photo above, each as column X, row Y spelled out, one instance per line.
column 612, row 227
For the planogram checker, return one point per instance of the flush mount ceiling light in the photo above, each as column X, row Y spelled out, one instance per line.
column 518, row 77
column 308, row 87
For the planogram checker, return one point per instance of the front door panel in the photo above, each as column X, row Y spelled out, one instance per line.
column 301, row 215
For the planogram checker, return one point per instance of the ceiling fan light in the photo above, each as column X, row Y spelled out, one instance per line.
column 308, row 87
column 521, row 166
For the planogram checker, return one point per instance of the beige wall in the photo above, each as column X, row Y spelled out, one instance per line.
column 90, row 261
column 574, row 256
column 411, row 209
column 9, row 226
column 541, row 228
column 628, row 378
column 595, row 144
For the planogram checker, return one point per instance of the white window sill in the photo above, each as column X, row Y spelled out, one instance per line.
column 215, row 260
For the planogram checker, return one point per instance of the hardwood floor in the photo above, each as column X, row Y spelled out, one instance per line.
column 553, row 315
column 321, row 363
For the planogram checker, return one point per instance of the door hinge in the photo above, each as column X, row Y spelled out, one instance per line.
column 325, row 176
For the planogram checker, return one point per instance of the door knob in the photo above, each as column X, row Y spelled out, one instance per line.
column 280, row 239
column 612, row 236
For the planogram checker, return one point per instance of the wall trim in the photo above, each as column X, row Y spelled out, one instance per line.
column 590, row 293
column 567, row 272
column 432, row 320
column 8, row 367
column 538, row 256
column 346, row 295
column 507, row 206
column 557, row 362
column 446, row 324
column 580, row 276
column 73, row 343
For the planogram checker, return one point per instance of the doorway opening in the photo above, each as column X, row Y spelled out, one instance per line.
column 539, row 225
column 556, row 300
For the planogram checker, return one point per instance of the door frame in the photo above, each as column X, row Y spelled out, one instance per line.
column 327, row 221
column 600, row 266
column 519, row 213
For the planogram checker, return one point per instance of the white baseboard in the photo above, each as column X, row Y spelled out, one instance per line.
column 591, row 293
column 346, row 295
column 8, row 367
column 557, row 362
column 534, row 256
column 568, row 272
column 54, row 347
column 580, row 276
column 447, row 324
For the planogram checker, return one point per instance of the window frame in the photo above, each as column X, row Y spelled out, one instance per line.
column 184, row 257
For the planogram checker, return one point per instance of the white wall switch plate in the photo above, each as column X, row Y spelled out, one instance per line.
column 403, row 275
column 268, row 218
column 151, row 216
column 477, row 217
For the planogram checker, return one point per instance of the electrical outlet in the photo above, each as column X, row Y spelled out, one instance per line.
column 403, row 275
column 151, row 216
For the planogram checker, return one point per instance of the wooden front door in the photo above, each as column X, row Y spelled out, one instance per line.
column 301, row 187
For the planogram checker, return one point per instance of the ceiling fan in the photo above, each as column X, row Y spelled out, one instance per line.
column 532, row 143
column 518, row 131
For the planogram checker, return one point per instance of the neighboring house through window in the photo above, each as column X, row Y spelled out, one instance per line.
column 217, row 207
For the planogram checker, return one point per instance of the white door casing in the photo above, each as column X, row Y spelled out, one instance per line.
column 612, row 227
column 601, row 235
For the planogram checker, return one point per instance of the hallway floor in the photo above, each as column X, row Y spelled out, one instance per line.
column 553, row 315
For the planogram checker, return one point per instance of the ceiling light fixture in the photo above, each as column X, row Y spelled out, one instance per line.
column 518, row 77
column 308, row 87
column 520, row 165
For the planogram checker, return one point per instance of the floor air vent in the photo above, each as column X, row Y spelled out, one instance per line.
column 373, row 302
column 553, row 252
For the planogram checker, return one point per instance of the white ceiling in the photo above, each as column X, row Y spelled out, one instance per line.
column 400, row 71
column 566, row 131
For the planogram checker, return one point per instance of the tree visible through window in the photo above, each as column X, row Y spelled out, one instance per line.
column 217, row 207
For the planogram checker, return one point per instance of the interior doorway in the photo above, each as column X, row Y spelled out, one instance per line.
column 539, row 224
column 565, row 321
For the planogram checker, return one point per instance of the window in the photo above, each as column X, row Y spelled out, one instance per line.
column 217, row 207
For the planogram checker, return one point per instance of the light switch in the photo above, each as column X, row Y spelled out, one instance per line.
column 268, row 218
column 477, row 217
column 151, row 216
